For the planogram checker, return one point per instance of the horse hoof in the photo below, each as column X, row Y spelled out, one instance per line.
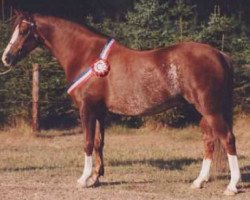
column 81, row 183
column 196, row 185
column 93, row 182
column 229, row 192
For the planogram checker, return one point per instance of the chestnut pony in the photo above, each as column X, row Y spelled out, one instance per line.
column 136, row 83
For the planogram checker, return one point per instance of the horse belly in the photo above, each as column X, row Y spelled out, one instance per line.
column 142, row 101
column 133, row 107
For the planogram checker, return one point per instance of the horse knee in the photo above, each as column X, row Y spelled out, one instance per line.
column 98, row 144
column 208, row 148
column 88, row 147
column 204, row 126
column 229, row 143
column 208, row 139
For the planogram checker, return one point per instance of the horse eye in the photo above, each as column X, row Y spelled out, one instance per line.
column 23, row 32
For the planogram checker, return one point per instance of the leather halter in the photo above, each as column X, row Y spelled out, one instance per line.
column 32, row 24
column 33, row 29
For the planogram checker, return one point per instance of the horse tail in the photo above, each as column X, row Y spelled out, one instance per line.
column 228, row 97
column 220, row 156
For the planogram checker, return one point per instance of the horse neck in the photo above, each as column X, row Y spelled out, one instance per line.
column 74, row 46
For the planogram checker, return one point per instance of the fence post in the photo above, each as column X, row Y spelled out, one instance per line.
column 35, row 98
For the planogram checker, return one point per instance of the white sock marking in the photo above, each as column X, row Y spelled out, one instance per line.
column 235, row 172
column 87, row 170
column 12, row 41
column 206, row 164
column 204, row 173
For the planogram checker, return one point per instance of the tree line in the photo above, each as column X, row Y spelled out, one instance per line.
column 145, row 24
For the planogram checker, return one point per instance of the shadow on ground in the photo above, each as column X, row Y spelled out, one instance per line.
column 62, row 134
column 28, row 168
column 245, row 174
column 245, row 178
column 173, row 164
column 115, row 183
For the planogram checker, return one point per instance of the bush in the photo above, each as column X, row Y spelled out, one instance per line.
column 15, row 90
column 150, row 24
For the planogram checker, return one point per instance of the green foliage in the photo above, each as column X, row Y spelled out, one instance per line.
column 227, row 34
column 183, row 17
column 15, row 89
column 145, row 27
column 242, row 89
column 55, row 105
column 221, row 31
column 12, row 92
column 179, row 116
column 149, row 24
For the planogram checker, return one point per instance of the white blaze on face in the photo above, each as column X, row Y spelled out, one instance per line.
column 12, row 41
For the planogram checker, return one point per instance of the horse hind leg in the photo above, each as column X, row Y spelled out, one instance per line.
column 222, row 130
column 208, row 141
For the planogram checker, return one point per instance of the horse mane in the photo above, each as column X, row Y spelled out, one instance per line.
column 72, row 25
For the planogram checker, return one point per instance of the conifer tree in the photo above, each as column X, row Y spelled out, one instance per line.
column 184, row 20
column 148, row 25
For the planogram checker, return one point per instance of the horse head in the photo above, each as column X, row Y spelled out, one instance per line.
column 23, row 40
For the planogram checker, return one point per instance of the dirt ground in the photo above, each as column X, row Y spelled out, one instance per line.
column 140, row 164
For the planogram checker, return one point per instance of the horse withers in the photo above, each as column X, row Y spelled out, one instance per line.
column 106, row 76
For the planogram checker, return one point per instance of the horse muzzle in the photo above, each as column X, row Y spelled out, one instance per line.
column 9, row 59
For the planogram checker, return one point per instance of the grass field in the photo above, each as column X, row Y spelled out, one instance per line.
column 140, row 164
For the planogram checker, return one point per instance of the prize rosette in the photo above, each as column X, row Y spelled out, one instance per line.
column 101, row 68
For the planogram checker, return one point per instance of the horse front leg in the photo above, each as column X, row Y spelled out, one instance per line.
column 98, row 147
column 89, row 123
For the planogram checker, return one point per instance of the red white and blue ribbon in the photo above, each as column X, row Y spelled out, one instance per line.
column 100, row 68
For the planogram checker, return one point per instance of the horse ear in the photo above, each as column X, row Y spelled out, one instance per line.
column 16, row 12
column 21, row 13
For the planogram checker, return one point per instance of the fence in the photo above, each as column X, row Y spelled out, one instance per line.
column 38, row 96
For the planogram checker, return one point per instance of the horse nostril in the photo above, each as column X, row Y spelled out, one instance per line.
column 9, row 58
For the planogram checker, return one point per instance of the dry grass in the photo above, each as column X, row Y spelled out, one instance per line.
column 140, row 164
